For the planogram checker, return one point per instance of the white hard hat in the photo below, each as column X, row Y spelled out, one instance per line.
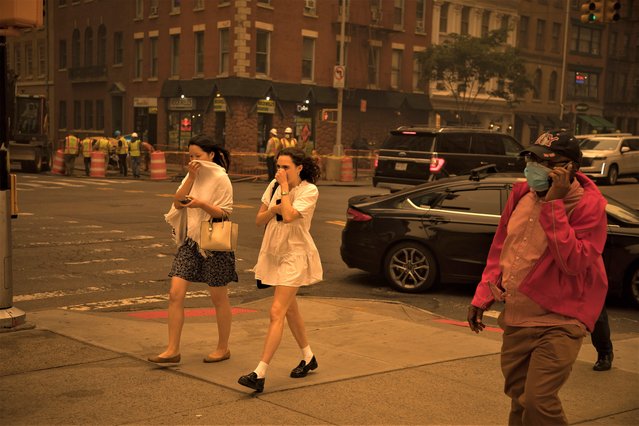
column 273, row 132
column 134, row 135
column 288, row 130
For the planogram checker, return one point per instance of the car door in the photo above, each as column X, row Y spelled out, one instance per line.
column 631, row 160
column 461, row 226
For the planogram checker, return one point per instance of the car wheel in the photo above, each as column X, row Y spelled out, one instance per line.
column 613, row 174
column 632, row 284
column 410, row 267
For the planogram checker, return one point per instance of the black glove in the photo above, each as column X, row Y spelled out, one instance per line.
column 475, row 316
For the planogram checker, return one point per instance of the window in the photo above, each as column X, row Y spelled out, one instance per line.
column 154, row 57
column 262, row 50
column 465, row 19
column 583, row 84
column 622, row 85
column 139, row 9
column 505, row 22
column 485, row 144
column 102, row 46
column 373, row 66
column 88, row 114
column 175, row 55
column 175, row 6
column 523, row 32
column 28, row 58
column 198, row 4
column 42, row 58
column 224, row 51
column 17, row 58
column 552, row 86
column 62, row 115
column 308, row 55
column 199, row 53
column 540, row 38
column 483, row 201
column 443, row 18
column 139, row 58
column 556, row 36
column 62, row 54
column 398, row 13
column 418, row 73
column 75, row 49
column 88, row 47
column 585, row 40
column 485, row 22
column 420, row 16
column 396, row 68
column 118, row 48
column 77, row 115
column 537, row 85
column 99, row 114
column 310, row 7
column 153, row 8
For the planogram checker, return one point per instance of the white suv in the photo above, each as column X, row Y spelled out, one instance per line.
column 608, row 157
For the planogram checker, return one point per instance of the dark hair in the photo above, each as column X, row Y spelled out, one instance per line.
column 208, row 145
column 310, row 170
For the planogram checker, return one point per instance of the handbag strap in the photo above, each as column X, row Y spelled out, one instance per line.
column 225, row 217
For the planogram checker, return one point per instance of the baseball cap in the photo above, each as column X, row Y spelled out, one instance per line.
column 553, row 143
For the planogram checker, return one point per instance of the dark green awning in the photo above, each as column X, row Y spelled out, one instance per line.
column 604, row 122
column 591, row 120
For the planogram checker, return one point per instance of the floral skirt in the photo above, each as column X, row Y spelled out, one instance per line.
column 217, row 269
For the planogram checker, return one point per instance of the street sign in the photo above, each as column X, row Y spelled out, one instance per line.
column 339, row 74
column 582, row 107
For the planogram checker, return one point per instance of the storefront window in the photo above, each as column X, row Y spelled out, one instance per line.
column 182, row 126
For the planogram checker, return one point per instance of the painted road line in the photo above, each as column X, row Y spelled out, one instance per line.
column 165, row 195
column 87, row 262
column 134, row 191
column 341, row 223
column 244, row 206
column 106, row 189
column 78, row 243
column 34, row 185
column 65, row 184
column 57, row 293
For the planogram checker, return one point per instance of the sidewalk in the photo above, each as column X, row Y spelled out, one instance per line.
column 379, row 363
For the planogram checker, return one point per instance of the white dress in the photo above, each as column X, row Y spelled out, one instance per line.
column 288, row 255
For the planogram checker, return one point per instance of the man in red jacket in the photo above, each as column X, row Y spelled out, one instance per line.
column 545, row 263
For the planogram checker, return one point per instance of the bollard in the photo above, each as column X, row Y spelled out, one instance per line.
column 158, row 166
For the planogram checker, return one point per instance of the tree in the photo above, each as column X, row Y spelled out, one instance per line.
column 466, row 65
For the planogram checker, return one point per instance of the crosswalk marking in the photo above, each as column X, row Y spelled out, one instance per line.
column 341, row 223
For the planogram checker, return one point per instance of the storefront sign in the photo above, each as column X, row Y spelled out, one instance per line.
column 181, row 104
column 582, row 107
column 265, row 107
column 301, row 107
column 145, row 102
column 219, row 104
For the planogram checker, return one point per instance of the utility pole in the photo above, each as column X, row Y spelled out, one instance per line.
column 338, row 149
column 562, row 87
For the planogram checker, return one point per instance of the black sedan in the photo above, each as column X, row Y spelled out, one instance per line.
column 441, row 232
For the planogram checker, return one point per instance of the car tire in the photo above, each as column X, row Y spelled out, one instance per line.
column 410, row 267
column 631, row 285
column 613, row 175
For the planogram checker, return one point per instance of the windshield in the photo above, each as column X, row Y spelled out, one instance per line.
column 600, row 144
column 622, row 212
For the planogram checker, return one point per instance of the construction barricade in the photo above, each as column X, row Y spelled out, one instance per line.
column 346, row 174
column 98, row 164
column 58, row 163
column 158, row 165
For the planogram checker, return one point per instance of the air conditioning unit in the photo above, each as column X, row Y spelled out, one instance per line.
column 376, row 15
column 153, row 11
column 310, row 5
column 419, row 26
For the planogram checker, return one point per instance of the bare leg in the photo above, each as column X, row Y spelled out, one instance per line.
column 176, row 316
column 283, row 298
column 296, row 324
column 220, row 298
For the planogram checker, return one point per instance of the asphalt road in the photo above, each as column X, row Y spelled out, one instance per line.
column 90, row 244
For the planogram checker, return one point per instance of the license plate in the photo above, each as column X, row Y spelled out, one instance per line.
column 401, row 166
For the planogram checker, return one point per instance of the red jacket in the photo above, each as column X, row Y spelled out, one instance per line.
column 569, row 278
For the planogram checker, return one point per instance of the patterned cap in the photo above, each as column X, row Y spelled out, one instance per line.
column 553, row 143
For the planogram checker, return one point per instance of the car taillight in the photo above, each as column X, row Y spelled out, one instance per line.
column 436, row 164
column 357, row 216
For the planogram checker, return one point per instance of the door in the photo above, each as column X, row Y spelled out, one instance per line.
column 117, row 120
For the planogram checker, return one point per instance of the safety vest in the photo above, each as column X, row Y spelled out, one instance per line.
column 289, row 143
column 87, row 147
column 134, row 148
column 71, row 145
column 104, row 146
column 123, row 146
column 272, row 147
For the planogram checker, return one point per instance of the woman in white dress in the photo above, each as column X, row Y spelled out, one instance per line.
column 288, row 258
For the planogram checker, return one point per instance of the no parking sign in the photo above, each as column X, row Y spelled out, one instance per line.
column 339, row 74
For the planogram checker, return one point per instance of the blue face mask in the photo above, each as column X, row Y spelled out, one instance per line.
column 537, row 176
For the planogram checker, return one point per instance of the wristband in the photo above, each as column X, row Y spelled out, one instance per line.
column 284, row 192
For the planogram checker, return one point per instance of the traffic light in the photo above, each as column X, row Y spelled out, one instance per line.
column 611, row 10
column 592, row 12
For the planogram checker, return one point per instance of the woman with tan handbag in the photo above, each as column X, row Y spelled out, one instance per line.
column 288, row 258
column 205, row 193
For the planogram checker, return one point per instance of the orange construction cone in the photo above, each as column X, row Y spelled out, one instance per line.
column 58, row 163
column 346, row 174
column 98, row 166
column 158, row 166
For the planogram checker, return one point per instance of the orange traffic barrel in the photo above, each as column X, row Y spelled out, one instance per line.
column 58, row 163
column 158, row 166
column 346, row 174
column 98, row 164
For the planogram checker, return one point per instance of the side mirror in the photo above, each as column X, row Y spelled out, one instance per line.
column 625, row 149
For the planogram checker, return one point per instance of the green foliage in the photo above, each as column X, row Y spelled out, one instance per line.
column 467, row 64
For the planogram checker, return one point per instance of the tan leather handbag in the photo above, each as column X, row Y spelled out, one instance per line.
column 218, row 236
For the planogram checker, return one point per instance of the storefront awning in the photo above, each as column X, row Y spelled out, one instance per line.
column 591, row 120
column 188, row 88
column 604, row 123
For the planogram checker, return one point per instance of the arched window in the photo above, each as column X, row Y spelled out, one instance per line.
column 537, row 85
column 75, row 49
column 88, row 47
column 552, row 86
column 102, row 45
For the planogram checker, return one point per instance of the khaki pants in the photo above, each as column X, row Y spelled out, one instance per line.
column 536, row 362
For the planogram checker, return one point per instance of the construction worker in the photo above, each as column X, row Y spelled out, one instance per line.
column 87, row 148
column 288, row 141
column 104, row 147
column 71, row 148
column 272, row 149
column 122, row 149
column 135, row 151
column 148, row 149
